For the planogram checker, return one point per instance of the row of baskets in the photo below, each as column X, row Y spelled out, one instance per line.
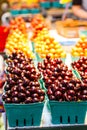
column 46, row 5
column 54, row 4
column 25, row 11
column 25, row 115
column 28, row 115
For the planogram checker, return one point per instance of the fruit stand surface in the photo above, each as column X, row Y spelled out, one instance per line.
column 60, row 127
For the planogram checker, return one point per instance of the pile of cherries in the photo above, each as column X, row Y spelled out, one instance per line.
column 22, row 81
column 60, row 82
column 81, row 66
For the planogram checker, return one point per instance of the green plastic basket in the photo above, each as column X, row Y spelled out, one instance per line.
column 45, row 5
column 24, row 11
column 76, row 73
column 56, row 4
column 15, row 12
column 23, row 115
column 43, row 85
column 74, row 58
column 35, row 10
column 68, row 112
column 39, row 59
column 33, row 49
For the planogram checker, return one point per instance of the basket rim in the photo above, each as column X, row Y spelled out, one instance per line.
column 21, row 105
column 68, row 102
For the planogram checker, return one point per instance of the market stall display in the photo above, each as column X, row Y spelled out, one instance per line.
column 66, row 92
column 22, row 87
column 24, row 7
column 30, row 85
column 60, row 82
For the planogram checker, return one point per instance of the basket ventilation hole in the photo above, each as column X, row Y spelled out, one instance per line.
column 24, row 122
column 76, row 119
column 16, row 122
column 32, row 123
column 61, row 120
column 68, row 119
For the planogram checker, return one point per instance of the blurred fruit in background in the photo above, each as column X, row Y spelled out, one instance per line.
column 65, row 1
column 18, row 23
column 23, row 4
column 38, row 23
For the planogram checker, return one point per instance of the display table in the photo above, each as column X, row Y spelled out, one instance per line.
column 60, row 127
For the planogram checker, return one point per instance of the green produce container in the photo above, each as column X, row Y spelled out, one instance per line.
column 33, row 49
column 74, row 58
column 43, row 85
column 35, row 11
column 39, row 59
column 45, row 5
column 76, row 73
column 56, row 4
column 63, row 59
column 68, row 112
column 23, row 115
column 15, row 12
column 24, row 11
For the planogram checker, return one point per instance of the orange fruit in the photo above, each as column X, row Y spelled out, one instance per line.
column 52, row 51
column 75, row 54
column 79, row 49
column 83, row 45
column 63, row 55
column 81, row 53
